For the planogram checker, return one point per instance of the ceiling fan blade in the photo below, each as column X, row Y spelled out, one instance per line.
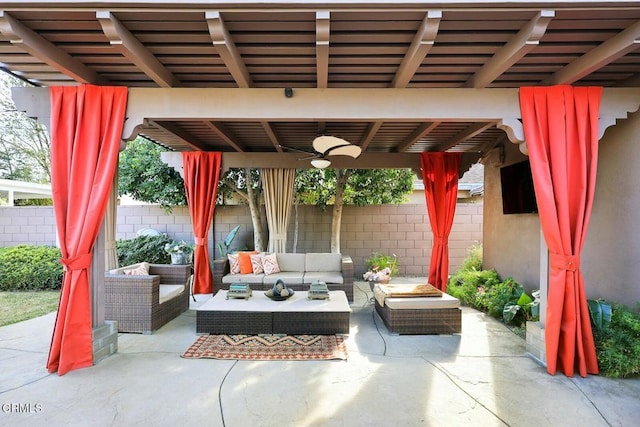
column 297, row 150
column 345, row 150
column 325, row 142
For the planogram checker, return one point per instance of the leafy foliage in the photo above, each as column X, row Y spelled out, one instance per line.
column 24, row 143
column 223, row 247
column 30, row 268
column 143, row 248
column 485, row 291
column 618, row 346
column 473, row 261
column 145, row 177
column 364, row 186
column 378, row 261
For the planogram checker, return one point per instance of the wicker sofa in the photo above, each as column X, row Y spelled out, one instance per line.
column 144, row 303
column 298, row 271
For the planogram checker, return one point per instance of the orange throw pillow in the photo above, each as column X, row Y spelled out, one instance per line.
column 244, row 259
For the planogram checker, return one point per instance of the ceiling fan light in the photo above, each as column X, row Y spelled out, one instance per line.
column 320, row 163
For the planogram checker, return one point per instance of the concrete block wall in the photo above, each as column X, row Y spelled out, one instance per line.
column 403, row 230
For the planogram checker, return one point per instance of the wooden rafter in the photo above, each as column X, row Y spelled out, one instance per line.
column 272, row 135
column 322, row 48
column 372, row 129
column 125, row 42
column 612, row 49
column 420, row 46
column 523, row 42
column 181, row 134
column 227, row 49
column 465, row 134
column 416, row 135
column 36, row 45
column 226, row 135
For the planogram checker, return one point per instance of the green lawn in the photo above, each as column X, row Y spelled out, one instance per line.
column 18, row 306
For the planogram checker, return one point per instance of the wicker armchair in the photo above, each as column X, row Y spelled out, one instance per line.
column 134, row 301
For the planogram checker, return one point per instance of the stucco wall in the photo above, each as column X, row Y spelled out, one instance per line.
column 611, row 253
column 511, row 242
column 400, row 229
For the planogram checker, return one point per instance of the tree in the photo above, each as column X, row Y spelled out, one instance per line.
column 24, row 143
column 246, row 184
column 337, row 187
column 145, row 177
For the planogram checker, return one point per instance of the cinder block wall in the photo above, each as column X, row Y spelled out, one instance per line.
column 403, row 230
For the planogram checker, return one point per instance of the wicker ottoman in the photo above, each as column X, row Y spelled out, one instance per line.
column 421, row 315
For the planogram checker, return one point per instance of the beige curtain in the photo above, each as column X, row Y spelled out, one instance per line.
column 110, row 255
column 278, row 196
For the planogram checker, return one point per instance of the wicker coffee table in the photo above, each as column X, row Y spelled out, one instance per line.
column 260, row 315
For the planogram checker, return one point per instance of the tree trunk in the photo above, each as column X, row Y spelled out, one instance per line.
column 336, row 221
column 254, row 208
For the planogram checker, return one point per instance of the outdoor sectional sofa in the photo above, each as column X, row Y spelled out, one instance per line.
column 297, row 271
column 144, row 303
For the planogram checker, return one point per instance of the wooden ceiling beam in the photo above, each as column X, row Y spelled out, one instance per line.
column 271, row 133
column 181, row 134
column 34, row 44
column 416, row 135
column 323, row 23
column 227, row 49
column 517, row 47
column 608, row 51
column 420, row 45
column 226, row 135
column 465, row 134
column 131, row 48
column 372, row 129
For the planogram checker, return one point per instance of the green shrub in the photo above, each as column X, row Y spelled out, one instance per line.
column 30, row 268
column 500, row 295
column 473, row 261
column 618, row 346
column 469, row 286
column 143, row 248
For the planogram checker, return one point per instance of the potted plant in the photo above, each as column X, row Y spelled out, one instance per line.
column 180, row 251
column 380, row 268
column 223, row 247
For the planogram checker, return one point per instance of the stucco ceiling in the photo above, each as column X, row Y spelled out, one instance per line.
column 355, row 45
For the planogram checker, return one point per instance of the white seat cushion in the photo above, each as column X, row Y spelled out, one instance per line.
column 323, row 276
column 289, row 278
column 291, row 262
column 323, row 262
column 169, row 291
column 242, row 278
column 422, row 303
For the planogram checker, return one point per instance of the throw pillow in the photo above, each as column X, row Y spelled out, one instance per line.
column 244, row 259
column 256, row 263
column 270, row 264
column 141, row 270
column 234, row 264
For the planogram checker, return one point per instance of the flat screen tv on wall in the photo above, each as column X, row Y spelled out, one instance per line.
column 518, row 196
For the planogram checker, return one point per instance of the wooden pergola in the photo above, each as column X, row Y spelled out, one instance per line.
column 397, row 79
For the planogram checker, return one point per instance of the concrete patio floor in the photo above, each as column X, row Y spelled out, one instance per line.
column 480, row 377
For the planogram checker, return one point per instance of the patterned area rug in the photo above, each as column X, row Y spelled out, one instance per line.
column 268, row 347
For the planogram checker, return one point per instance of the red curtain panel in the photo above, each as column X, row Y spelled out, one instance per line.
column 561, row 132
column 86, row 128
column 440, row 176
column 201, row 174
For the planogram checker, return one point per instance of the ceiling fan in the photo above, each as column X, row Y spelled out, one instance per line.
column 324, row 146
